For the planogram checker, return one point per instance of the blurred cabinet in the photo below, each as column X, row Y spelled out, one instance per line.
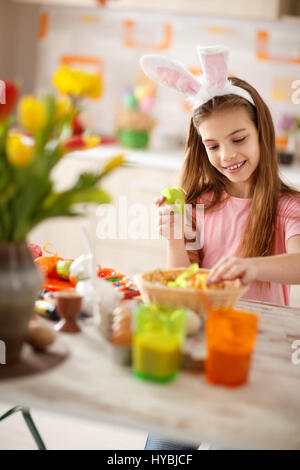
column 71, row 3
column 267, row 9
column 133, row 245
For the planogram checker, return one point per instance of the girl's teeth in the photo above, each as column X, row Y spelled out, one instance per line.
column 235, row 166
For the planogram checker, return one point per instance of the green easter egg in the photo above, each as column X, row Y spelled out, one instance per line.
column 174, row 197
column 130, row 101
column 63, row 268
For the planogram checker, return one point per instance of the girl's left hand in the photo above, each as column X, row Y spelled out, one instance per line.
column 232, row 268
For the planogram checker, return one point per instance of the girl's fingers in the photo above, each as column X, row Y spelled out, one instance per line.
column 165, row 219
column 220, row 272
column 232, row 268
column 218, row 267
column 159, row 200
column 220, row 263
column 231, row 273
column 166, row 209
column 170, row 223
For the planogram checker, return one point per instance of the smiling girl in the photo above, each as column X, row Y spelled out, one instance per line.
column 251, row 218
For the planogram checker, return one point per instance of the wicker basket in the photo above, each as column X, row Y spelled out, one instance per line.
column 196, row 299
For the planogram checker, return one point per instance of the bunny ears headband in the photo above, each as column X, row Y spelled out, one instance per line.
column 213, row 82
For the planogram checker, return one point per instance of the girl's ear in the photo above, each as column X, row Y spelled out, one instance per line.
column 169, row 73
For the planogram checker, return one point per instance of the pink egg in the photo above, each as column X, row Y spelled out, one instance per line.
column 146, row 103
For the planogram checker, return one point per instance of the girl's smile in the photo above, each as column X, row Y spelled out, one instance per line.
column 236, row 167
column 231, row 143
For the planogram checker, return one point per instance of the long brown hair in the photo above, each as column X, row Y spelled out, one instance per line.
column 199, row 176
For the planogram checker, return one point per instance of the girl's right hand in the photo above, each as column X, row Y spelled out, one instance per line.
column 170, row 223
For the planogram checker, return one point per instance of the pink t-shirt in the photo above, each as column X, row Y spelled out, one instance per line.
column 223, row 229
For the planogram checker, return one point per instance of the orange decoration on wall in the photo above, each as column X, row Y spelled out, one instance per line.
column 129, row 41
column 94, row 62
column 262, row 50
column 219, row 30
column 44, row 25
column 88, row 19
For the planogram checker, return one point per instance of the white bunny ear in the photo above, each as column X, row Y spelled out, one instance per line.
column 169, row 73
column 214, row 65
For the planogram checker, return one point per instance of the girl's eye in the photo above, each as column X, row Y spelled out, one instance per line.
column 213, row 148
column 237, row 141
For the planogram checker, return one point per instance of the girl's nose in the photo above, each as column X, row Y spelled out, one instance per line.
column 227, row 156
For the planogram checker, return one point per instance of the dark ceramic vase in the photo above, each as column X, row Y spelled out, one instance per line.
column 20, row 282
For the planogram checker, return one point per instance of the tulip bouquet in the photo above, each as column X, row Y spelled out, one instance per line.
column 27, row 156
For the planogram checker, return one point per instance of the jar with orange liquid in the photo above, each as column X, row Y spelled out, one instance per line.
column 230, row 340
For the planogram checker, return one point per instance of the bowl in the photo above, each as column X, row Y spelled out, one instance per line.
column 153, row 288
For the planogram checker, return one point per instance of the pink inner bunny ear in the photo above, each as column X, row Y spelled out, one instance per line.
column 214, row 65
column 169, row 73
column 178, row 80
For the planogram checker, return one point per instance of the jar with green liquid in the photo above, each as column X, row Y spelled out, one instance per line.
column 159, row 332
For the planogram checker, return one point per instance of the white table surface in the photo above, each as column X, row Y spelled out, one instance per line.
column 168, row 160
column 265, row 413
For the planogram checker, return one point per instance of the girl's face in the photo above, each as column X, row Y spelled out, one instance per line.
column 231, row 141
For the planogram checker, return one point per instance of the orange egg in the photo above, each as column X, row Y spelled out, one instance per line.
column 46, row 264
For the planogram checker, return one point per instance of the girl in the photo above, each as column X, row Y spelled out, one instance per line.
column 251, row 218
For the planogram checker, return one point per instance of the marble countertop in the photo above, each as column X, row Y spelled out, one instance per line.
column 168, row 160
column 264, row 414
column 155, row 158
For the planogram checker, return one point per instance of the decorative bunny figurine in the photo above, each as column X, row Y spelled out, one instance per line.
column 213, row 82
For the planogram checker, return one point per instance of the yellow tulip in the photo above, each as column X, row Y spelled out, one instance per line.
column 18, row 154
column 94, row 86
column 77, row 83
column 68, row 81
column 114, row 162
column 31, row 113
column 63, row 108
column 60, row 80
column 92, row 141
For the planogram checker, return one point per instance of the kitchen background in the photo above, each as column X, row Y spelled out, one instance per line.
column 110, row 42
column 109, row 39
column 266, row 54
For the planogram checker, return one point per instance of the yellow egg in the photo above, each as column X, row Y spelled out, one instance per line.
column 39, row 336
column 140, row 92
